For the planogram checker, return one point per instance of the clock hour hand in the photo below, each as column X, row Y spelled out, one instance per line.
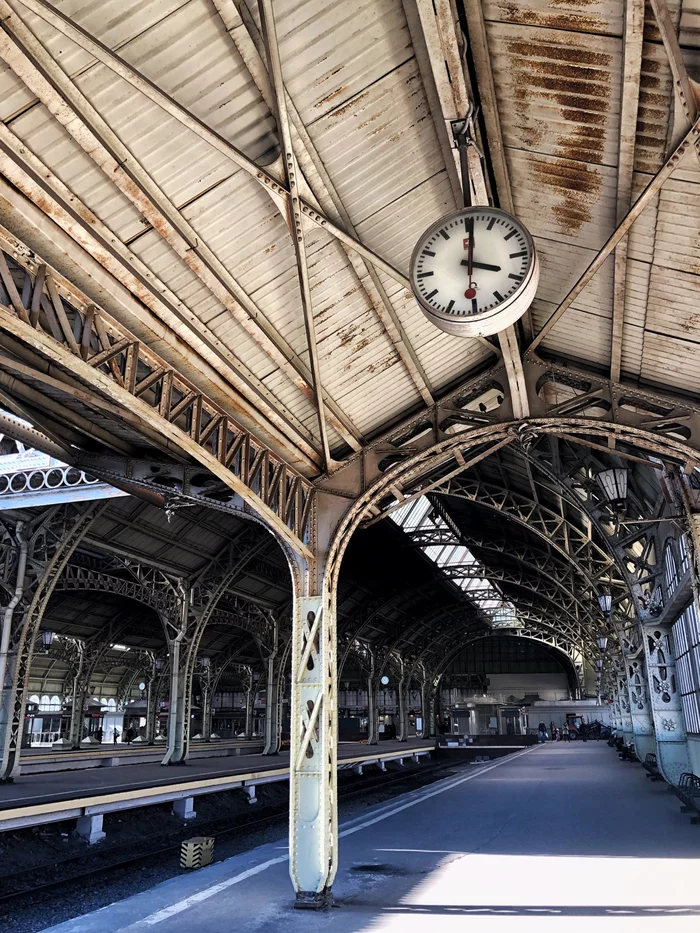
column 482, row 265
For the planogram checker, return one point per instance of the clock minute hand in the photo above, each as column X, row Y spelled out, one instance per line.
column 482, row 265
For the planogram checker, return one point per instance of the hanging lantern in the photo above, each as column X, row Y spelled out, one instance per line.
column 46, row 639
column 613, row 482
column 602, row 642
column 605, row 603
column 159, row 664
column 599, row 664
column 204, row 663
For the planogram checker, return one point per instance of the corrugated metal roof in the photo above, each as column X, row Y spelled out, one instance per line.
column 355, row 81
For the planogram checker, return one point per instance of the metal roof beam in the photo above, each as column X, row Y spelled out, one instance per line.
column 65, row 25
column 248, row 42
column 293, row 213
column 32, row 63
column 629, row 104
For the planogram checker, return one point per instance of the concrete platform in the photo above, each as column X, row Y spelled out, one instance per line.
column 560, row 838
column 42, row 798
column 108, row 755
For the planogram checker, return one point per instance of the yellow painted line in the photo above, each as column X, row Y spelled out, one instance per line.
column 143, row 793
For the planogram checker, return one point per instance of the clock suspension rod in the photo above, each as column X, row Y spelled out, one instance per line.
column 461, row 132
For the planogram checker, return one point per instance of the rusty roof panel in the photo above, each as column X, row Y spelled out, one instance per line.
column 655, row 95
column 690, row 23
column 604, row 17
column 558, row 92
column 563, row 200
column 561, row 266
column 678, row 227
column 674, row 304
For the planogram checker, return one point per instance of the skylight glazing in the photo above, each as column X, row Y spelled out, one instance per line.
column 419, row 515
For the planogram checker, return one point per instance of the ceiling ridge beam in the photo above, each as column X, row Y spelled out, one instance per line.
column 294, row 215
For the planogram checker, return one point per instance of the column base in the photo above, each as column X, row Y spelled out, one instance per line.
column 314, row 900
column 184, row 808
column 90, row 828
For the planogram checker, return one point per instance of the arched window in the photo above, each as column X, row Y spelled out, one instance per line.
column 670, row 568
column 683, row 551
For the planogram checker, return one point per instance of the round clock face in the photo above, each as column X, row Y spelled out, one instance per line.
column 475, row 272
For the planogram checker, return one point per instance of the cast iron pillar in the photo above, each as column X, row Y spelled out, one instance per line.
column 39, row 552
column 667, row 712
column 639, row 707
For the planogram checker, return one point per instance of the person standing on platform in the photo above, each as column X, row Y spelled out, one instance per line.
column 566, row 737
column 129, row 735
column 542, row 732
column 115, row 736
column 584, row 732
column 100, row 734
column 552, row 729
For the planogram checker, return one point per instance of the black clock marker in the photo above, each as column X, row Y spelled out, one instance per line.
column 427, row 252
column 444, row 234
column 491, row 223
column 498, row 295
column 509, row 235
column 422, row 275
column 475, row 306
column 516, row 255
column 434, row 292
column 513, row 275
column 450, row 307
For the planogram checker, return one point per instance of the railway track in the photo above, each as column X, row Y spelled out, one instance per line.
column 16, row 885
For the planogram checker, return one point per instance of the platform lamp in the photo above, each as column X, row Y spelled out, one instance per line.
column 602, row 643
column 613, row 482
column 159, row 662
column 605, row 603
column 46, row 639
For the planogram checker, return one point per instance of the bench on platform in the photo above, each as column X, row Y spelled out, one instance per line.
column 688, row 792
column 651, row 766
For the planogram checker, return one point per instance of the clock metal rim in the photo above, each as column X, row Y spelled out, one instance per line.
column 504, row 314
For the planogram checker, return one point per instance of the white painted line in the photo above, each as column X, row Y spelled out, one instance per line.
column 206, row 893
column 178, row 907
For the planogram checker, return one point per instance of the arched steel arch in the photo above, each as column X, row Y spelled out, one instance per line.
column 591, row 560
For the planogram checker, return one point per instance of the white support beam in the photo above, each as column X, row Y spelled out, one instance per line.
column 293, row 212
column 629, row 105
